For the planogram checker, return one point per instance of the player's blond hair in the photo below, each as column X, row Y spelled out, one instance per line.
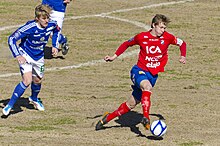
column 43, row 10
column 158, row 18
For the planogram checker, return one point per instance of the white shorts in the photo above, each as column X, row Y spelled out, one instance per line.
column 57, row 16
column 36, row 67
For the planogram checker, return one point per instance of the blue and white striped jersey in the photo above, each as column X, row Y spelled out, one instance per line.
column 56, row 5
column 33, row 39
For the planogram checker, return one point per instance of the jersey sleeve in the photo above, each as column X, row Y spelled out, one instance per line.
column 182, row 45
column 125, row 45
column 55, row 37
column 20, row 33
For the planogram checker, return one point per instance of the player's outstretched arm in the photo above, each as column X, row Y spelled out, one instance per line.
column 110, row 58
column 182, row 45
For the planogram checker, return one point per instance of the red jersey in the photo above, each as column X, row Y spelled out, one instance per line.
column 153, row 55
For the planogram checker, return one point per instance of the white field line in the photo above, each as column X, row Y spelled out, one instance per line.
column 103, row 15
column 136, row 23
column 90, row 63
column 108, row 13
column 131, row 9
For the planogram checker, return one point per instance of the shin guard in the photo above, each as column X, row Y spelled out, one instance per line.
column 146, row 103
column 123, row 108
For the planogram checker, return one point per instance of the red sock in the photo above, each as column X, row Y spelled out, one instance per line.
column 145, row 102
column 123, row 108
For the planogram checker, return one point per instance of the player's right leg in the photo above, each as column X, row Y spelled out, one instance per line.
column 122, row 109
column 19, row 89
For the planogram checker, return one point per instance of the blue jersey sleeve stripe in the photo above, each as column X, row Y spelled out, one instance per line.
column 13, row 47
column 27, row 27
column 16, row 36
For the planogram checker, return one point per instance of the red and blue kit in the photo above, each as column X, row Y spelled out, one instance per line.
column 153, row 53
column 153, row 57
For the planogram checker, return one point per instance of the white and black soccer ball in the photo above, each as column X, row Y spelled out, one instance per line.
column 158, row 128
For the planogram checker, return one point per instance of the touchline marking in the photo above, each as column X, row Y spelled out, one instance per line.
column 103, row 15
column 89, row 63
column 131, row 9
column 136, row 23
column 108, row 13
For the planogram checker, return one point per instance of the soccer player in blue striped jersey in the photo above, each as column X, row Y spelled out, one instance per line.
column 29, row 53
column 58, row 13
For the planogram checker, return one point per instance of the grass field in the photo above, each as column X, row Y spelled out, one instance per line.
column 79, row 87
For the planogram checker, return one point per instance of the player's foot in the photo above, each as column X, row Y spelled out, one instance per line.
column 102, row 122
column 37, row 104
column 64, row 46
column 146, row 123
column 6, row 110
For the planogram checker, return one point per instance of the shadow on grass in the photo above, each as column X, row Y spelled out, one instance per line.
column 131, row 120
column 21, row 102
column 48, row 54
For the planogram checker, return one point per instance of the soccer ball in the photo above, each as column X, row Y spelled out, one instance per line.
column 158, row 128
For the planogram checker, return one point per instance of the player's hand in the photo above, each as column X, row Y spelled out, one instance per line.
column 182, row 60
column 21, row 59
column 66, row 1
column 54, row 51
column 110, row 58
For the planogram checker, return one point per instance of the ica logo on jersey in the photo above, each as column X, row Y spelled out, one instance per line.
column 153, row 61
column 153, row 49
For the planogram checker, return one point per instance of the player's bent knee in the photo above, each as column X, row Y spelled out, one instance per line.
column 132, row 106
column 131, row 103
column 27, row 82
column 37, row 80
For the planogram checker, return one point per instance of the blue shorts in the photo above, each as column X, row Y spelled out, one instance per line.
column 137, row 75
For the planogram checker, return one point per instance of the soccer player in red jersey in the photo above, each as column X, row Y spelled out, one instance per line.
column 153, row 57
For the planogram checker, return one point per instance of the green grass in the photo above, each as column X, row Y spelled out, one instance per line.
column 172, row 106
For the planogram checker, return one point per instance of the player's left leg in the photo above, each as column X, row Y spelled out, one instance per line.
column 143, row 84
column 35, row 89
column 38, row 73
column 146, row 102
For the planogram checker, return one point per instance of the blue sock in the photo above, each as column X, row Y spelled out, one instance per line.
column 62, row 39
column 18, row 92
column 35, row 90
